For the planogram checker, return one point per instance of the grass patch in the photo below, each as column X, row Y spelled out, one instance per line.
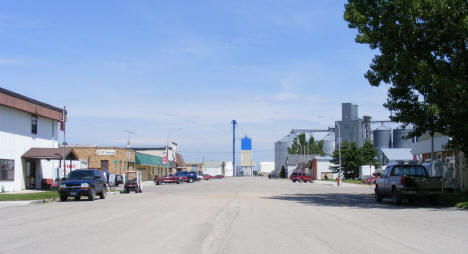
column 354, row 181
column 457, row 199
column 29, row 196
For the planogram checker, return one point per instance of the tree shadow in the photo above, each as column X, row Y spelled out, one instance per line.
column 352, row 200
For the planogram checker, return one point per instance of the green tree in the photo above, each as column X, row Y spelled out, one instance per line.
column 422, row 50
column 369, row 154
column 301, row 145
column 351, row 158
column 282, row 173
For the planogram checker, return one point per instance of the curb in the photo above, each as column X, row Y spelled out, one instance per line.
column 43, row 201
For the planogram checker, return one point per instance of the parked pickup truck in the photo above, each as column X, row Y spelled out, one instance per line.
column 411, row 182
column 301, row 177
column 167, row 179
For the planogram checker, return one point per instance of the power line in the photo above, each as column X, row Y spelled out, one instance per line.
column 217, row 152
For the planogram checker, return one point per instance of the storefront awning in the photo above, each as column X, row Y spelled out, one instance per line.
column 50, row 154
column 146, row 159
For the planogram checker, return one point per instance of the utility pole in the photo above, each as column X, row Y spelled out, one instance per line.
column 234, row 147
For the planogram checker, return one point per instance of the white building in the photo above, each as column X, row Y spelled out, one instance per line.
column 266, row 167
column 214, row 168
column 25, row 123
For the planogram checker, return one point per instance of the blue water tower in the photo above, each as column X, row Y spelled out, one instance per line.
column 246, row 144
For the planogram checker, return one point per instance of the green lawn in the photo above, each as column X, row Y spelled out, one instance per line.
column 355, row 181
column 29, row 196
column 454, row 199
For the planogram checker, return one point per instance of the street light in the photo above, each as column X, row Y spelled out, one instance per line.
column 339, row 146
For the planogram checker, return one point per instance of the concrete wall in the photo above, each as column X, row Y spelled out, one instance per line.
column 16, row 139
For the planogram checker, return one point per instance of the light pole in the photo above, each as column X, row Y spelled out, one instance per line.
column 339, row 147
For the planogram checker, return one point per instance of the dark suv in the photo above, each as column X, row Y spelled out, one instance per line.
column 83, row 182
column 188, row 176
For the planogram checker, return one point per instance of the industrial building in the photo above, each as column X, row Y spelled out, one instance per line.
column 247, row 163
column 384, row 135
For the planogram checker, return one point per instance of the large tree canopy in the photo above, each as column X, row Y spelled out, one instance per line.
column 301, row 145
column 423, row 55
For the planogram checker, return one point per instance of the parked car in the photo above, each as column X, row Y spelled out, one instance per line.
column 118, row 180
column 83, row 182
column 218, row 176
column 133, row 182
column 206, row 177
column 372, row 179
column 158, row 180
column 407, row 181
column 301, row 177
column 187, row 176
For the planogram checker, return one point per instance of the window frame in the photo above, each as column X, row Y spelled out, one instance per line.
column 12, row 168
column 34, row 124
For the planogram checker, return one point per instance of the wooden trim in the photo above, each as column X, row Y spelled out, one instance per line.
column 29, row 107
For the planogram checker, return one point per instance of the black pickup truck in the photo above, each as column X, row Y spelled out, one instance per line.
column 408, row 181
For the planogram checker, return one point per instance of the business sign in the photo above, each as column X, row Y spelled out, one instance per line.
column 164, row 161
column 105, row 152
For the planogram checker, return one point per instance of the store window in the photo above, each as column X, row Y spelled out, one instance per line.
column 34, row 124
column 7, row 170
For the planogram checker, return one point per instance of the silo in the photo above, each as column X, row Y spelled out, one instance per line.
column 399, row 140
column 329, row 144
column 382, row 138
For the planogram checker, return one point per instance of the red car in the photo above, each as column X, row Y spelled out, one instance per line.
column 167, row 179
column 206, row 176
column 301, row 177
column 218, row 176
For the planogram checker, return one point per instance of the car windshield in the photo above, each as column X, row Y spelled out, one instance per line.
column 409, row 171
column 81, row 174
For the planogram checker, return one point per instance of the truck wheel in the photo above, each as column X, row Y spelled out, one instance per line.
column 190, row 180
column 300, row 180
column 396, row 199
column 102, row 195
column 294, row 181
column 378, row 196
column 434, row 200
column 160, row 182
column 92, row 194
column 63, row 198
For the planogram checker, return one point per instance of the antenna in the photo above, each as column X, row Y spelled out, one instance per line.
column 129, row 133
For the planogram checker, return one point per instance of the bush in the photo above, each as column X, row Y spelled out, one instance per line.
column 282, row 172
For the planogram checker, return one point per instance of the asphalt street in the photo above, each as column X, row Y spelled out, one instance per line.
column 241, row 215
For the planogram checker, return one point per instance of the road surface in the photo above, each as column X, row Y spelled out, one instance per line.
column 242, row 215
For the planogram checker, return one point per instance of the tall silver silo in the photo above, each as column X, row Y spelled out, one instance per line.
column 399, row 140
column 329, row 144
column 382, row 138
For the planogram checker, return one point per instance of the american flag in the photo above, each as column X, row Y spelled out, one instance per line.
column 63, row 119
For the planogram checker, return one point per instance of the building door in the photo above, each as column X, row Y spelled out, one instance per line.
column 105, row 164
column 30, row 174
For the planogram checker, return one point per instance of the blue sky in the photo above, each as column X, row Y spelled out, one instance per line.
column 154, row 66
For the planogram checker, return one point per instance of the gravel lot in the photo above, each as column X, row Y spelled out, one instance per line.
column 241, row 215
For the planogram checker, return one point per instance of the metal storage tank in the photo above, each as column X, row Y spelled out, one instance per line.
column 329, row 144
column 399, row 140
column 382, row 138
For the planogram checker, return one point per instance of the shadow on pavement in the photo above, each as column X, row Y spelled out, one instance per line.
column 349, row 200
